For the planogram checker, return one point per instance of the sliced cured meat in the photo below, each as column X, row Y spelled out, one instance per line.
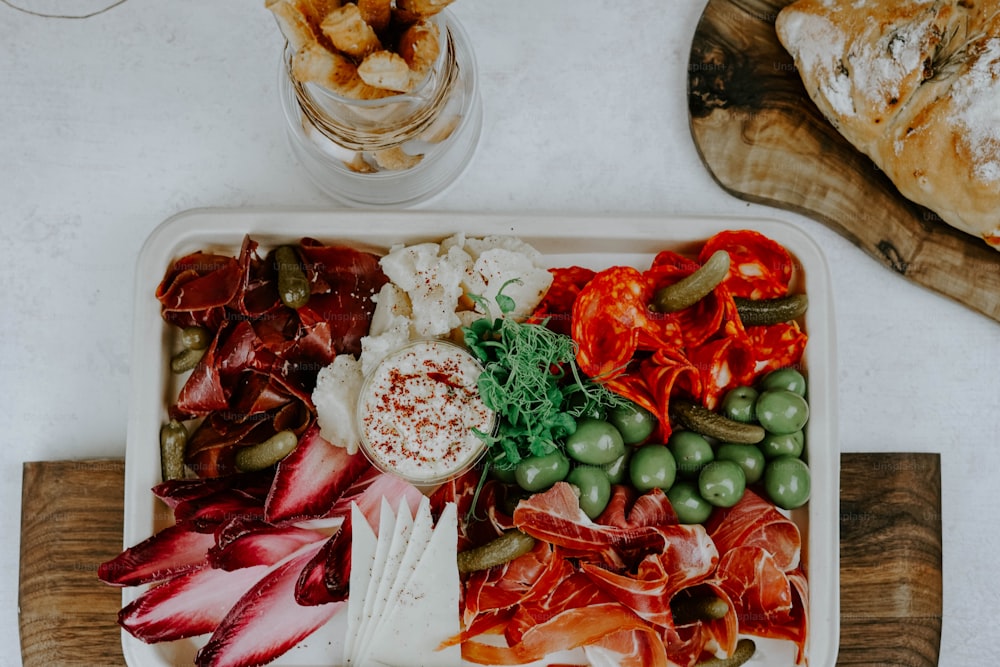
column 755, row 522
column 759, row 267
column 611, row 321
column 556, row 307
column 777, row 346
column 723, row 363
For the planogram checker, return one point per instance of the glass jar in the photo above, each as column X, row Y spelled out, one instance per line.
column 396, row 150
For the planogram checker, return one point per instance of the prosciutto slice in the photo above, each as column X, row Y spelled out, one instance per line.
column 754, row 521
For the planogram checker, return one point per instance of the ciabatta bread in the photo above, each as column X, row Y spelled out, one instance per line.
column 915, row 85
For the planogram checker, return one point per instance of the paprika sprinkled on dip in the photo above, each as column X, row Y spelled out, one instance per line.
column 419, row 412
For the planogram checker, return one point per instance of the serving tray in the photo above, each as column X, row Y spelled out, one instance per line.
column 764, row 141
column 890, row 561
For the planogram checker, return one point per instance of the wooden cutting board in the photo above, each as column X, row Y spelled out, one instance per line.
column 764, row 141
column 890, row 553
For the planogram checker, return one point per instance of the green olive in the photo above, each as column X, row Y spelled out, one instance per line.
column 594, row 442
column 687, row 502
column 595, row 489
column 691, row 452
column 722, row 483
column 782, row 444
column 195, row 338
column 738, row 404
column 503, row 472
column 787, row 482
column 293, row 285
column 634, row 422
column 652, row 467
column 617, row 470
column 748, row 457
column 784, row 378
column 537, row 473
column 781, row 411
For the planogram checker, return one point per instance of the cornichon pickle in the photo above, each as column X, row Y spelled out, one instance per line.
column 267, row 453
column 173, row 443
column 695, row 287
column 195, row 338
column 503, row 549
column 293, row 286
column 745, row 648
column 702, row 420
column 185, row 360
column 754, row 312
column 690, row 608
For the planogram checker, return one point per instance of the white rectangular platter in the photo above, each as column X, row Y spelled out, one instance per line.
column 592, row 241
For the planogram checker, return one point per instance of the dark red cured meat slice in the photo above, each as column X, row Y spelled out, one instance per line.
column 777, row 346
column 754, row 521
column 175, row 491
column 343, row 282
column 556, row 307
column 759, row 267
column 652, row 508
column 668, row 373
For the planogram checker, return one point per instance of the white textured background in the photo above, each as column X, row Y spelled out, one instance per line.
column 110, row 124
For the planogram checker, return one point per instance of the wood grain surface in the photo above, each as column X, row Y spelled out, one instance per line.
column 764, row 141
column 890, row 521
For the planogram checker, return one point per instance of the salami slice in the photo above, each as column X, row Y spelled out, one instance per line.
column 759, row 268
column 556, row 308
column 608, row 315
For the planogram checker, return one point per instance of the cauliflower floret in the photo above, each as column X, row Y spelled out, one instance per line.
column 338, row 387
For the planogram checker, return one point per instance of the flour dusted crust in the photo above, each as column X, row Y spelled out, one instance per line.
column 915, row 85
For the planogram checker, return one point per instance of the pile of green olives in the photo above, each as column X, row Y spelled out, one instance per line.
column 593, row 457
column 779, row 405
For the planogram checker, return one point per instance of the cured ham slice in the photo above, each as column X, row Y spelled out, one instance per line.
column 754, row 521
column 555, row 516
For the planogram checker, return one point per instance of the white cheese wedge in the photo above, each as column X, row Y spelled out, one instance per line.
column 425, row 612
column 363, row 546
column 397, row 540
column 386, row 526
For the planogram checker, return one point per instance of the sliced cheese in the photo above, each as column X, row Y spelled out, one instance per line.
column 363, row 546
column 425, row 612
column 386, row 526
column 397, row 542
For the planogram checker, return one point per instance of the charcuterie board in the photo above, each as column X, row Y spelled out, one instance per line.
column 764, row 141
column 890, row 560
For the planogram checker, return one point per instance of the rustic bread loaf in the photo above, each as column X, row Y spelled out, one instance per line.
column 915, row 85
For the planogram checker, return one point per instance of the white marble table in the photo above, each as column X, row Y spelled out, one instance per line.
column 110, row 124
